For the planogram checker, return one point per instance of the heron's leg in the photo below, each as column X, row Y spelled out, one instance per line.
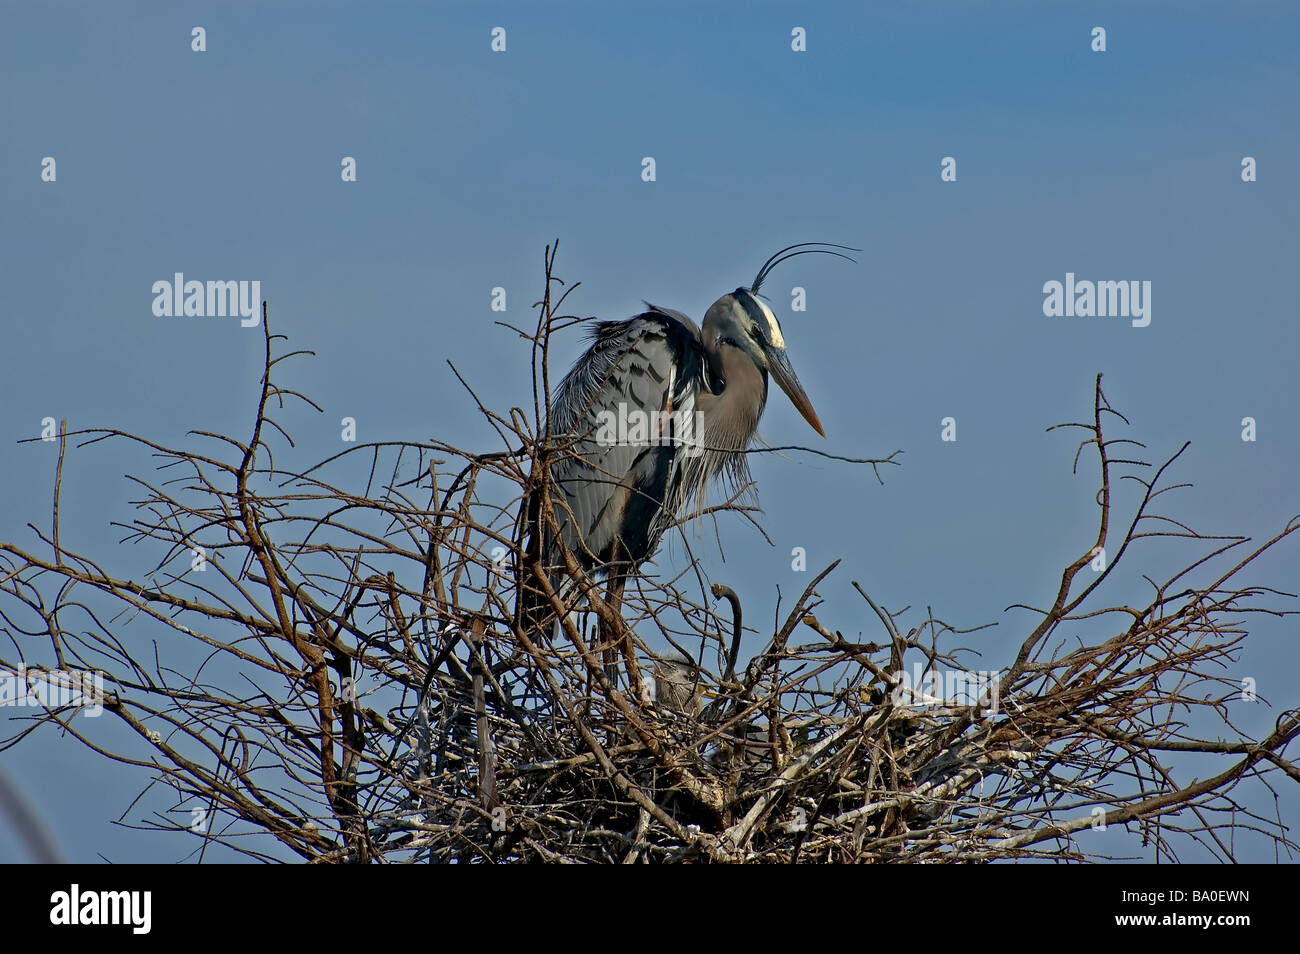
column 616, row 642
column 584, row 630
column 609, row 629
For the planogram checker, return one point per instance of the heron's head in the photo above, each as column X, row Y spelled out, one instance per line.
column 744, row 321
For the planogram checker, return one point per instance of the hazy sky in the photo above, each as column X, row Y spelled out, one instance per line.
column 225, row 165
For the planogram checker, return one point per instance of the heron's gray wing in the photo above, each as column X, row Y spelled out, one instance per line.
column 621, row 471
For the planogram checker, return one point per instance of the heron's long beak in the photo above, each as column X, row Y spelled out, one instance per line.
column 779, row 365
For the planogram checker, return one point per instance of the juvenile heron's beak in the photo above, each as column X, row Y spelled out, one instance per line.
column 779, row 365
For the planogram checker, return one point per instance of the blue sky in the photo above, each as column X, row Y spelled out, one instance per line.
column 1117, row 165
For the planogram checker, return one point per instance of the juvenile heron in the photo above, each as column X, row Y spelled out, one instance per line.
column 647, row 418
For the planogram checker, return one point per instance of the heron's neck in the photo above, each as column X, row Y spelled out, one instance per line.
column 733, row 420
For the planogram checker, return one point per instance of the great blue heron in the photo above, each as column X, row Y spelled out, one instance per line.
column 677, row 685
column 648, row 417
